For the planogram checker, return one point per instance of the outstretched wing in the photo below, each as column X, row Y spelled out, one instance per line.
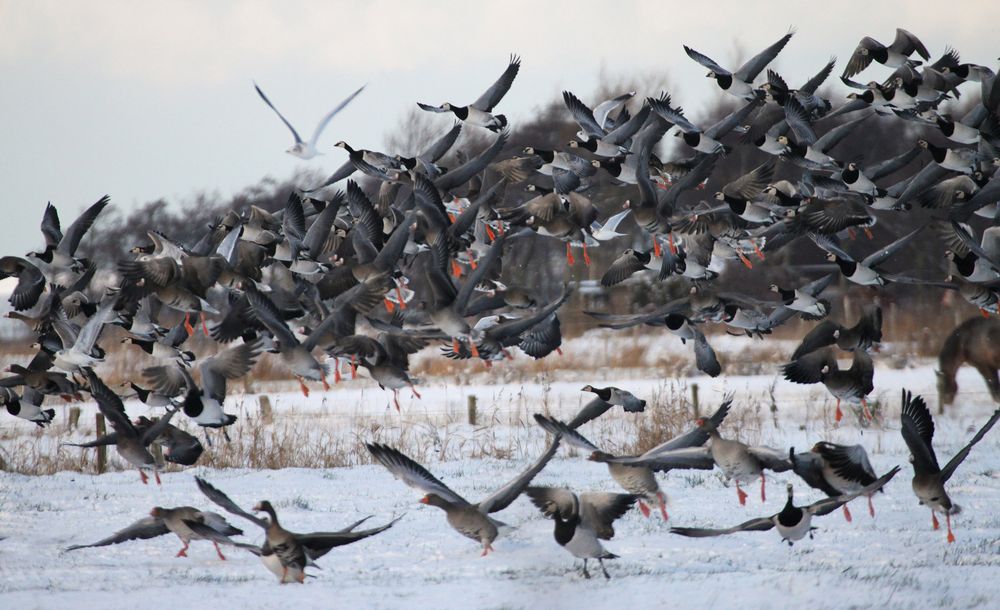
column 295, row 134
column 494, row 94
column 150, row 527
column 330, row 115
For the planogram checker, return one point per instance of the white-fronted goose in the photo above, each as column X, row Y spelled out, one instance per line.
column 835, row 470
column 286, row 554
column 793, row 522
column 635, row 473
column 741, row 462
column 851, row 385
column 131, row 443
column 471, row 520
column 582, row 521
column 929, row 478
column 179, row 521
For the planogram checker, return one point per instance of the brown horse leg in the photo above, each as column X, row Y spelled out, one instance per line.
column 992, row 382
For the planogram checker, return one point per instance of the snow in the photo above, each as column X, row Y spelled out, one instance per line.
column 893, row 561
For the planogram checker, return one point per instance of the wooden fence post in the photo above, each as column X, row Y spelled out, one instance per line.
column 472, row 409
column 266, row 416
column 74, row 418
column 694, row 400
column 102, row 450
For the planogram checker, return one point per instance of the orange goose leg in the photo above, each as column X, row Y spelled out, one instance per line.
column 569, row 255
column 399, row 296
column 354, row 368
column 871, row 507
column 302, row 386
column 763, row 496
column 670, row 242
column 415, row 392
column 586, row 257
column 756, row 249
column 388, row 305
column 204, row 327
column 219, row 551
column 947, row 520
column 839, row 415
column 644, row 509
column 336, row 372
column 868, row 414
column 741, row 495
column 145, row 479
column 743, row 259
column 156, row 473
column 326, row 386
column 656, row 248
column 663, row 505
column 934, row 520
column 847, row 514
column 187, row 324
column 395, row 399
column 184, row 551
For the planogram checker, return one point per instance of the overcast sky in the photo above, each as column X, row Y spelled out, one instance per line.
column 142, row 100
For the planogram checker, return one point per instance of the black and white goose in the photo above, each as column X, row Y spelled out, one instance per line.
column 27, row 406
column 740, row 82
column 479, row 112
column 582, row 521
column 204, row 403
column 805, row 298
column 895, row 55
column 956, row 159
column 793, row 522
column 928, row 477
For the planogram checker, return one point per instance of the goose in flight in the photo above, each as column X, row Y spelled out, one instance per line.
column 301, row 149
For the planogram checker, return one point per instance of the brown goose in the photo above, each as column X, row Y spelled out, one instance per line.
column 132, row 444
column 284, row 553
column 929, row 478
column 741, row 462
column 179, row 520
column 582, row 521
column 635, row 473
column 835, row 470
column 471, row 520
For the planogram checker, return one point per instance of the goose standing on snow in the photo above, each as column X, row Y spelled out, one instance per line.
column 471, row 520
column 286, row 554
column 929, row 478
column 793, row 522
column 301, row 149
column 582, row 521
column 480, row 111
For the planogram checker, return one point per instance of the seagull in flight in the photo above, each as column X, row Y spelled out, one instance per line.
column 307, row 150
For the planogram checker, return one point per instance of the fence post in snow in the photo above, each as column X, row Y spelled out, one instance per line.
column 265, row 409
column 472, row 409
column 694, row 400
column 102, row 450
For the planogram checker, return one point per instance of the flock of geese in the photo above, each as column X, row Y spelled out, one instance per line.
column 365, row 275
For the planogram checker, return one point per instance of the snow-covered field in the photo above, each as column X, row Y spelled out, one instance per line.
column 895, row 560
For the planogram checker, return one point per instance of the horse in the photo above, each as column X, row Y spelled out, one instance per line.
column 977, row 342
